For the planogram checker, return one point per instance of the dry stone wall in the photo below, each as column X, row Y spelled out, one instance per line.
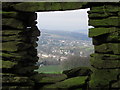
column 19, row 36
column 106, row 38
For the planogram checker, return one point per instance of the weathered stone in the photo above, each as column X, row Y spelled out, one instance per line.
column 105, row 56
column 105, row 9
column 10, row 56
column 104, row 64
column 111, row 21
column 79, row 71
column 100, row 15
column 11, row 14
column 17, row 88
column 8, row 64
column 51, row 6
column 11, row 32
column 48, row 78
column 108, row 48
column 116, row 84
column 10, row 46
column 93, row 32
column 72, row 5
column 14, row 46
column 102, row 77
column 17, row 80
column 68, row 83
column 10, row 38
column 30, row 6
column 107, row 38
column 7, row 5
column 11, row 22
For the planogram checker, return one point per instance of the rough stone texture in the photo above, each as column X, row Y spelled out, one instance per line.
column 80, row 71
column 105, row 61
column 68, row 83
column 19, row 42
column 48, row 6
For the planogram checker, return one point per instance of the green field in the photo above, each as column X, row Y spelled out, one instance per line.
column 50, row 69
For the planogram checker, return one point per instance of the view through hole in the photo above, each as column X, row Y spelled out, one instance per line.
column 64, row 43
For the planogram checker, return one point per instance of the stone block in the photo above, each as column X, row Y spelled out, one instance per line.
column 10, row 38
column 11, row 56
column 105, row 9
column 17, row 87
column 105, row 56
column 11, row 14
column 13, row 23
column 101, row 15
column 8, row 64
column 107, row 38
column 13, row 46
column 79, row 71
column 102, row 77
column 116, row 84
column 10, row 46
column 108, row 48
column 51, row 6
column 68, row 83
column 72, row 5
column 48, row 78
column 94, row 32
column 11, row 32
column 104, row 64
column 108, row 22
column 30, row 6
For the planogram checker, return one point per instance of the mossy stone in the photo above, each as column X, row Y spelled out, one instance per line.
column 100, row 15
column 10, row 46
column 30, row 6
column 79, row 71
column 111, row 21
column 17, row 80
column 116, row 84
column 105, row 56
column 56, row 6
column 109, row 48
column 72, row 5
column 107, row 38
column 11, row 55
column 11, row 32
column 104, row 64
column 93, row 32
column 102, row 77
column 9, row 14
column 14, row 23
column 10, row 38
column 51, row 6
column 104, row 9
column 48, row 78
column 17, row 88
column 68, row 83
column 8, row 64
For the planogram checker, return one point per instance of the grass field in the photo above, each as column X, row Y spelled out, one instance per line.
column 50, row 69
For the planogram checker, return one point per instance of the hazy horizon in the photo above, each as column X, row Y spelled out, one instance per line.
column 70, row 20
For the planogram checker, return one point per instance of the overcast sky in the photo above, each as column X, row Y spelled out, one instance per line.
column 72, row 20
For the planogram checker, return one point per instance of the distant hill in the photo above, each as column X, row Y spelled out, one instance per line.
column 64, row 35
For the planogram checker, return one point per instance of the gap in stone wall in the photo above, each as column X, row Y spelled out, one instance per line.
column 64, row 42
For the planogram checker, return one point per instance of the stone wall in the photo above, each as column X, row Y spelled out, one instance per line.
column 19, row 36
column 105, row 61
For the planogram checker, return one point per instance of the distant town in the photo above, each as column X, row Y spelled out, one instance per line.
column 59, row 46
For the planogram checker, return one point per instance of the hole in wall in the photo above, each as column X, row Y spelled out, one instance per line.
column 64, row 43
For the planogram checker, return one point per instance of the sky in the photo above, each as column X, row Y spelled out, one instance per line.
column 70, row 20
